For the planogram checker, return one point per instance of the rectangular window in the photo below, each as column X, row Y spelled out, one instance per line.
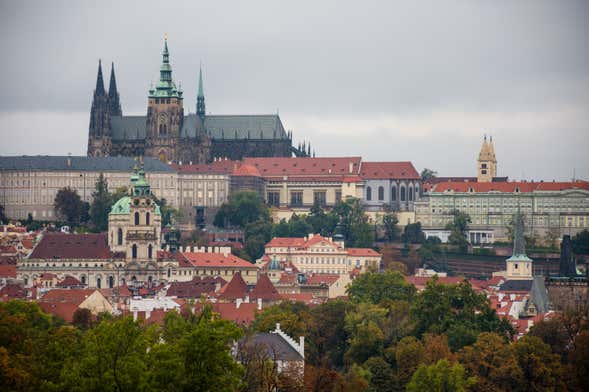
column 319, row 198
column 274, row 199
column 296, row 199
column 338, row 196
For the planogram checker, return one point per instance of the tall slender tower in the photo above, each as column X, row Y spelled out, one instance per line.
column 519, row 265
column 114, row 103
column 487, row 163
column 165, row 114
column 99, row 138
column 200, row 98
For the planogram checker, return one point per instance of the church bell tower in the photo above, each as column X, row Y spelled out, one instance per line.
column 165, row 114
column 487, row 163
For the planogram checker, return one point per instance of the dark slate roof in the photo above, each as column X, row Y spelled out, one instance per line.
column 539, row 295
column 99, row 164
column 128, row 127
column 72, row 246
column 516, row 285
column 277, row 347
column 258, row 126
column 218, row 126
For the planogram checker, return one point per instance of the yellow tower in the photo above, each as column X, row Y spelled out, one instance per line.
column 487, row 163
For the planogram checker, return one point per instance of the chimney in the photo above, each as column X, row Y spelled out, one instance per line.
column 259, row 303
column 238, row 302
column 277, row 326
column 351, row 167
column 302, row 346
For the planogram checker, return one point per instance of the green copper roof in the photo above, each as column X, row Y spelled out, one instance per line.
column 123, row 207
column 165, row 87
column 200, row 88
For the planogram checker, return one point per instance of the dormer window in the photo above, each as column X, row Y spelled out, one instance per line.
column 470, row 190
column 517, row 190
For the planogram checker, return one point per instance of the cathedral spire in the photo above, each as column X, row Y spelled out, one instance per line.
column 165, row 87
column 200, row 99
column 113, row 95
column 99, row 81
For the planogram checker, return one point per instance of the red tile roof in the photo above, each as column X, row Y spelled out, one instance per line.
column 510, row 187
column 69, row 281
column 72, row 246
column 306, row 168
column 48, row 276
column 244, row 315
column 12, row 291
column 285, row 242
column 264, row 290
column 246, row 170
column 216, row 167
column 363, row 252
column 8, row 250
column 328, row 279
column 236, row 288
column 388, row 170
column 76, row 296
column 206, row 259
column 65, row 310
column 7, row 271
column 194, row 288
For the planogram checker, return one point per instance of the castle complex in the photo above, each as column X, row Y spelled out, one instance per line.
column 171, row 135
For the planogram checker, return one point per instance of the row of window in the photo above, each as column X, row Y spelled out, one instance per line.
column 402, row 193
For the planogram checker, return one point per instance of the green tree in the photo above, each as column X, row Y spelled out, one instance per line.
column 382, row 376
column 580, row 243
column 101, row 204
column 69, row 206
column 367, row 329
column 242, row 208
column 409, row 354
column 292, row 316
column 541, row 368
column 428, row 174
column 458, row 228
column 493, row 362
column 391, row 231
column 442, row 376
column 326, row 334
column 354, row 223
column 380, row 287
column 413, row 234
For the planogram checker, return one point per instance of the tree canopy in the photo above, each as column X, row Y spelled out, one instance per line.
column 70, row 207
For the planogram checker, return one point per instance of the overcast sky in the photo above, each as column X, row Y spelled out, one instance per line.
column 413, row 80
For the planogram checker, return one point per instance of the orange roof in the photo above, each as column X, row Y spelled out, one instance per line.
column 386, row 170
column 236, row 288
column 65, row 310
column 328, row 279
column 511, row 187
column 7, row 271
column 363, row 252
column 76, row 296
column 284, row 242
column 244, row 315
column 309, row 168
column 264, row 289
column 246, row 170
column 205, row 259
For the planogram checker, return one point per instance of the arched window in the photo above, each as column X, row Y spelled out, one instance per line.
column 136, row 219
column 416, row 192
column 120, row 236
column 410, row 193
column 169, row 272
column 161, row 128
column 111, row 282
column 402, row 193
column 149, row 251
column 83, row 279
column 380, row 193
column 134, row 251
column 394, row 193
column 368, row 193
column 165, row 129
column 147, row 218
column 98, row 282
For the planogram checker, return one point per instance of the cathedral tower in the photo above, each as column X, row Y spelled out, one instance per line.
column 487, row 163
column 165, row 114
column 114, row 103
column 200, row 98
column 99, row 137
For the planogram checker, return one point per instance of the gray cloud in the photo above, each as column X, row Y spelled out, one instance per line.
column 386, row 80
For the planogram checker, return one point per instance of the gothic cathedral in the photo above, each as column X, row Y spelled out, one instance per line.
column 171, row 135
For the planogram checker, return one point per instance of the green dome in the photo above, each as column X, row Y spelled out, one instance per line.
column 123, row 207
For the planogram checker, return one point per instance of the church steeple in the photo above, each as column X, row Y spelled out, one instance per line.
column 165, row 86
column 99, row 91
column 200, row 98
column 519, row 265
column 487, row 163
column 114, row 103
